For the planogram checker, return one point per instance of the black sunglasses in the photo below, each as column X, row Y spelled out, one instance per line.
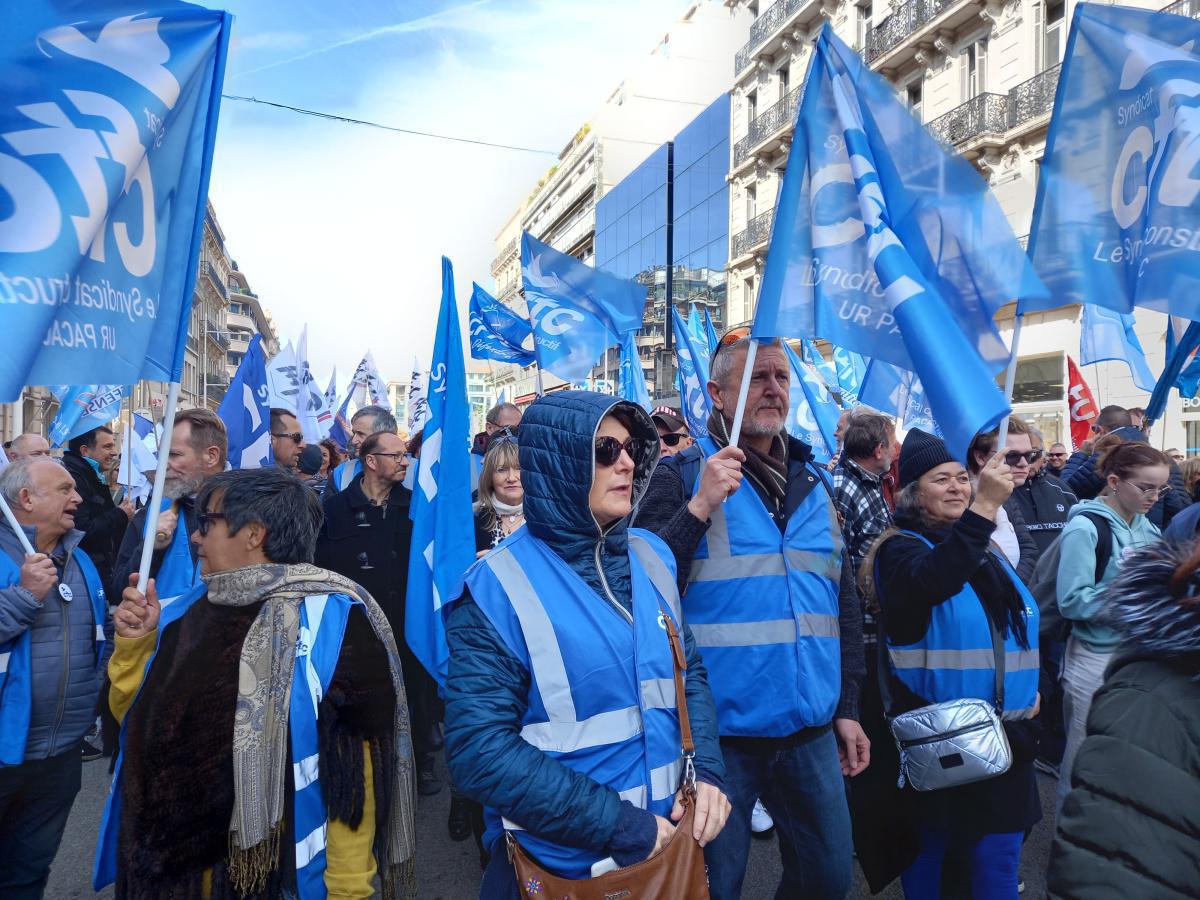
column 296, row 436
column 672, row 438
column 1012, row 457
column 205, row 519
column 608, row 449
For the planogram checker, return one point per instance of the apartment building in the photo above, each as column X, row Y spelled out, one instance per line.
column 981, row 75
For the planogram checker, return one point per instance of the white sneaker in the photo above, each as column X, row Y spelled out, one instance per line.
column 760, row 819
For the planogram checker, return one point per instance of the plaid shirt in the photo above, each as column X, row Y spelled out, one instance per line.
column 858, row 496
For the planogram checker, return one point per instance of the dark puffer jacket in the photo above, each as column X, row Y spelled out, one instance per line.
column 1131, row 825
column 487, row 688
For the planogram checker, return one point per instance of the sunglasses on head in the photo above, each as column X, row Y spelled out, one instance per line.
column 1013, row 457
column 672, row 439
column 608, row 449
column 731, row 337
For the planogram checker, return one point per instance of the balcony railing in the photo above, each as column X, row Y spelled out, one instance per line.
column 1185, row 8
column 1035, row 96
column 765, row 26
column 508, row 250
column 211, row 271
column 217, row 334
column 982, row 114
column 901, row 23
column 775, row 118
column 756, row 231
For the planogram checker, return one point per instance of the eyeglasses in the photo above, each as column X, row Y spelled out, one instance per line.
column 1013, row 457
column 672, row 439
column 296, row 436
column 1056, row 455
column 608, row 449
column 390, row 455
column 205, row 519
column 1152, row 490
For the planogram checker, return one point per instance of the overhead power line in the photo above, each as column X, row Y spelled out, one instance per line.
column 351, row 121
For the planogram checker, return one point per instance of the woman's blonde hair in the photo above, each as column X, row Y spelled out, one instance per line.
column 502, row 453
column 1190, row 470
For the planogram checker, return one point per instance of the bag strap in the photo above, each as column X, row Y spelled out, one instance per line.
column 1104, row 542
column 679, row 664
column 998, row 653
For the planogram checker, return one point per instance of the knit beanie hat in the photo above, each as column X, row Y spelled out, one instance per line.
column 919, row 453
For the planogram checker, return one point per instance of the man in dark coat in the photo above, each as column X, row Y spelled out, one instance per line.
column 366, row 537
column 1128, row 828
column 102, row 522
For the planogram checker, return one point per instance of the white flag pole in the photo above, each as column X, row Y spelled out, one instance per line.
column 16, row 526
column 156, row 493
column 740, row 409
column 1010, row 378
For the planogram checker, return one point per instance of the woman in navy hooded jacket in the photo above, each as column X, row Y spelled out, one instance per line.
column 560, row 704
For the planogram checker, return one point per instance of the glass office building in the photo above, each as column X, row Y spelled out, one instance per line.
column 671, row 215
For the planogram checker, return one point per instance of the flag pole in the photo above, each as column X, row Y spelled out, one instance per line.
column 16, row 526
column 156, row 493
column 1010, row 379
column 743, row 391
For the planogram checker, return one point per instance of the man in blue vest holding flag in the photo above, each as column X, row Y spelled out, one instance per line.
column 771, row 602
column 52, row 652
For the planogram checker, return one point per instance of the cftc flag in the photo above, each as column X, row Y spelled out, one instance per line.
column 443, row 543
column 496, row 331
column 108, row 115
column 631, row 380
column 82, row 407
column 886, row 244
column 574, row 309
column 850, row 368
column 1115, row 219
column 1107, row 335
column 813, row 414
column 898, row 393
column 246, row 411
column 691, row 378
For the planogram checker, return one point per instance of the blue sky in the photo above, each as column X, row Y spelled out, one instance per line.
column 341, row 227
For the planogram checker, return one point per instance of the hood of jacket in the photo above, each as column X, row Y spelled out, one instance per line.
column 557, row 440
column 1140, row 531
column 1154, row 619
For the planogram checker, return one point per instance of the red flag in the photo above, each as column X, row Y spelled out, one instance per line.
column 1081, row 405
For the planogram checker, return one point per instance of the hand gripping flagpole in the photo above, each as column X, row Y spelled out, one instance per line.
column 156, row 493
column 1010, row 378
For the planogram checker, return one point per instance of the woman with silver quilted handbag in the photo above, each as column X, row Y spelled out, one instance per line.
column 959, row 669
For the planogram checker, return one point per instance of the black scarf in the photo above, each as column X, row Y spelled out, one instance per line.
column 768, row 471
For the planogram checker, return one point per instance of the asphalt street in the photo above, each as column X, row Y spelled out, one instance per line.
column 450, row 871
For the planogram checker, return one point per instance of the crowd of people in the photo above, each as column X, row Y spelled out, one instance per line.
column 669, row 640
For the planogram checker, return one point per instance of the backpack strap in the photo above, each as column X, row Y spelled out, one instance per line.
column 1104, row 542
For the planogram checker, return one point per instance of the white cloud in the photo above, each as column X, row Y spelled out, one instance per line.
column 342, row 227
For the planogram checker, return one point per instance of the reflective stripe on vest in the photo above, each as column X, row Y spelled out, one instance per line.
column 763, row 608
column 955, row 657
column 602, row 699
column 16, row 675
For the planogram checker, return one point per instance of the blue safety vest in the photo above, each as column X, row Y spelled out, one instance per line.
column 178, row 573
column 322, row 626
column 602, row 691
column 763, row 609
column 16, row 675
column 956, row 659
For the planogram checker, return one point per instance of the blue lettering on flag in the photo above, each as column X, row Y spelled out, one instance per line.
column 107, row 123
column 691, row 378
column 496, row 331
column 82, row 407
column 813, row 414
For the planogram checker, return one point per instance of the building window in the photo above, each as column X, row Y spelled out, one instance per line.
column 864, row 25
column 1055, row 28
column 974, row 68
column 1039, row 379
column 784, row 79
column 751, row 106
column 912, row 97
column 751, row 203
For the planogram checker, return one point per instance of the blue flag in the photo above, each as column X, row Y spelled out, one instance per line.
column 1115, row 219
column 895, row 392
column 575, row 310
column 107, row 120
column 695, row 325
column 496, row 331
column 246, row 411
column 888, row 245
column 711, row 332
column 1173, row 372
column 850, row 370
column 824, row 367
column 443, row 542
column 631, row 380
column 691, row 378
column 82, row 407
column 144, row 428
column 339, row 432
column 813, row 414
column 1107, row 335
